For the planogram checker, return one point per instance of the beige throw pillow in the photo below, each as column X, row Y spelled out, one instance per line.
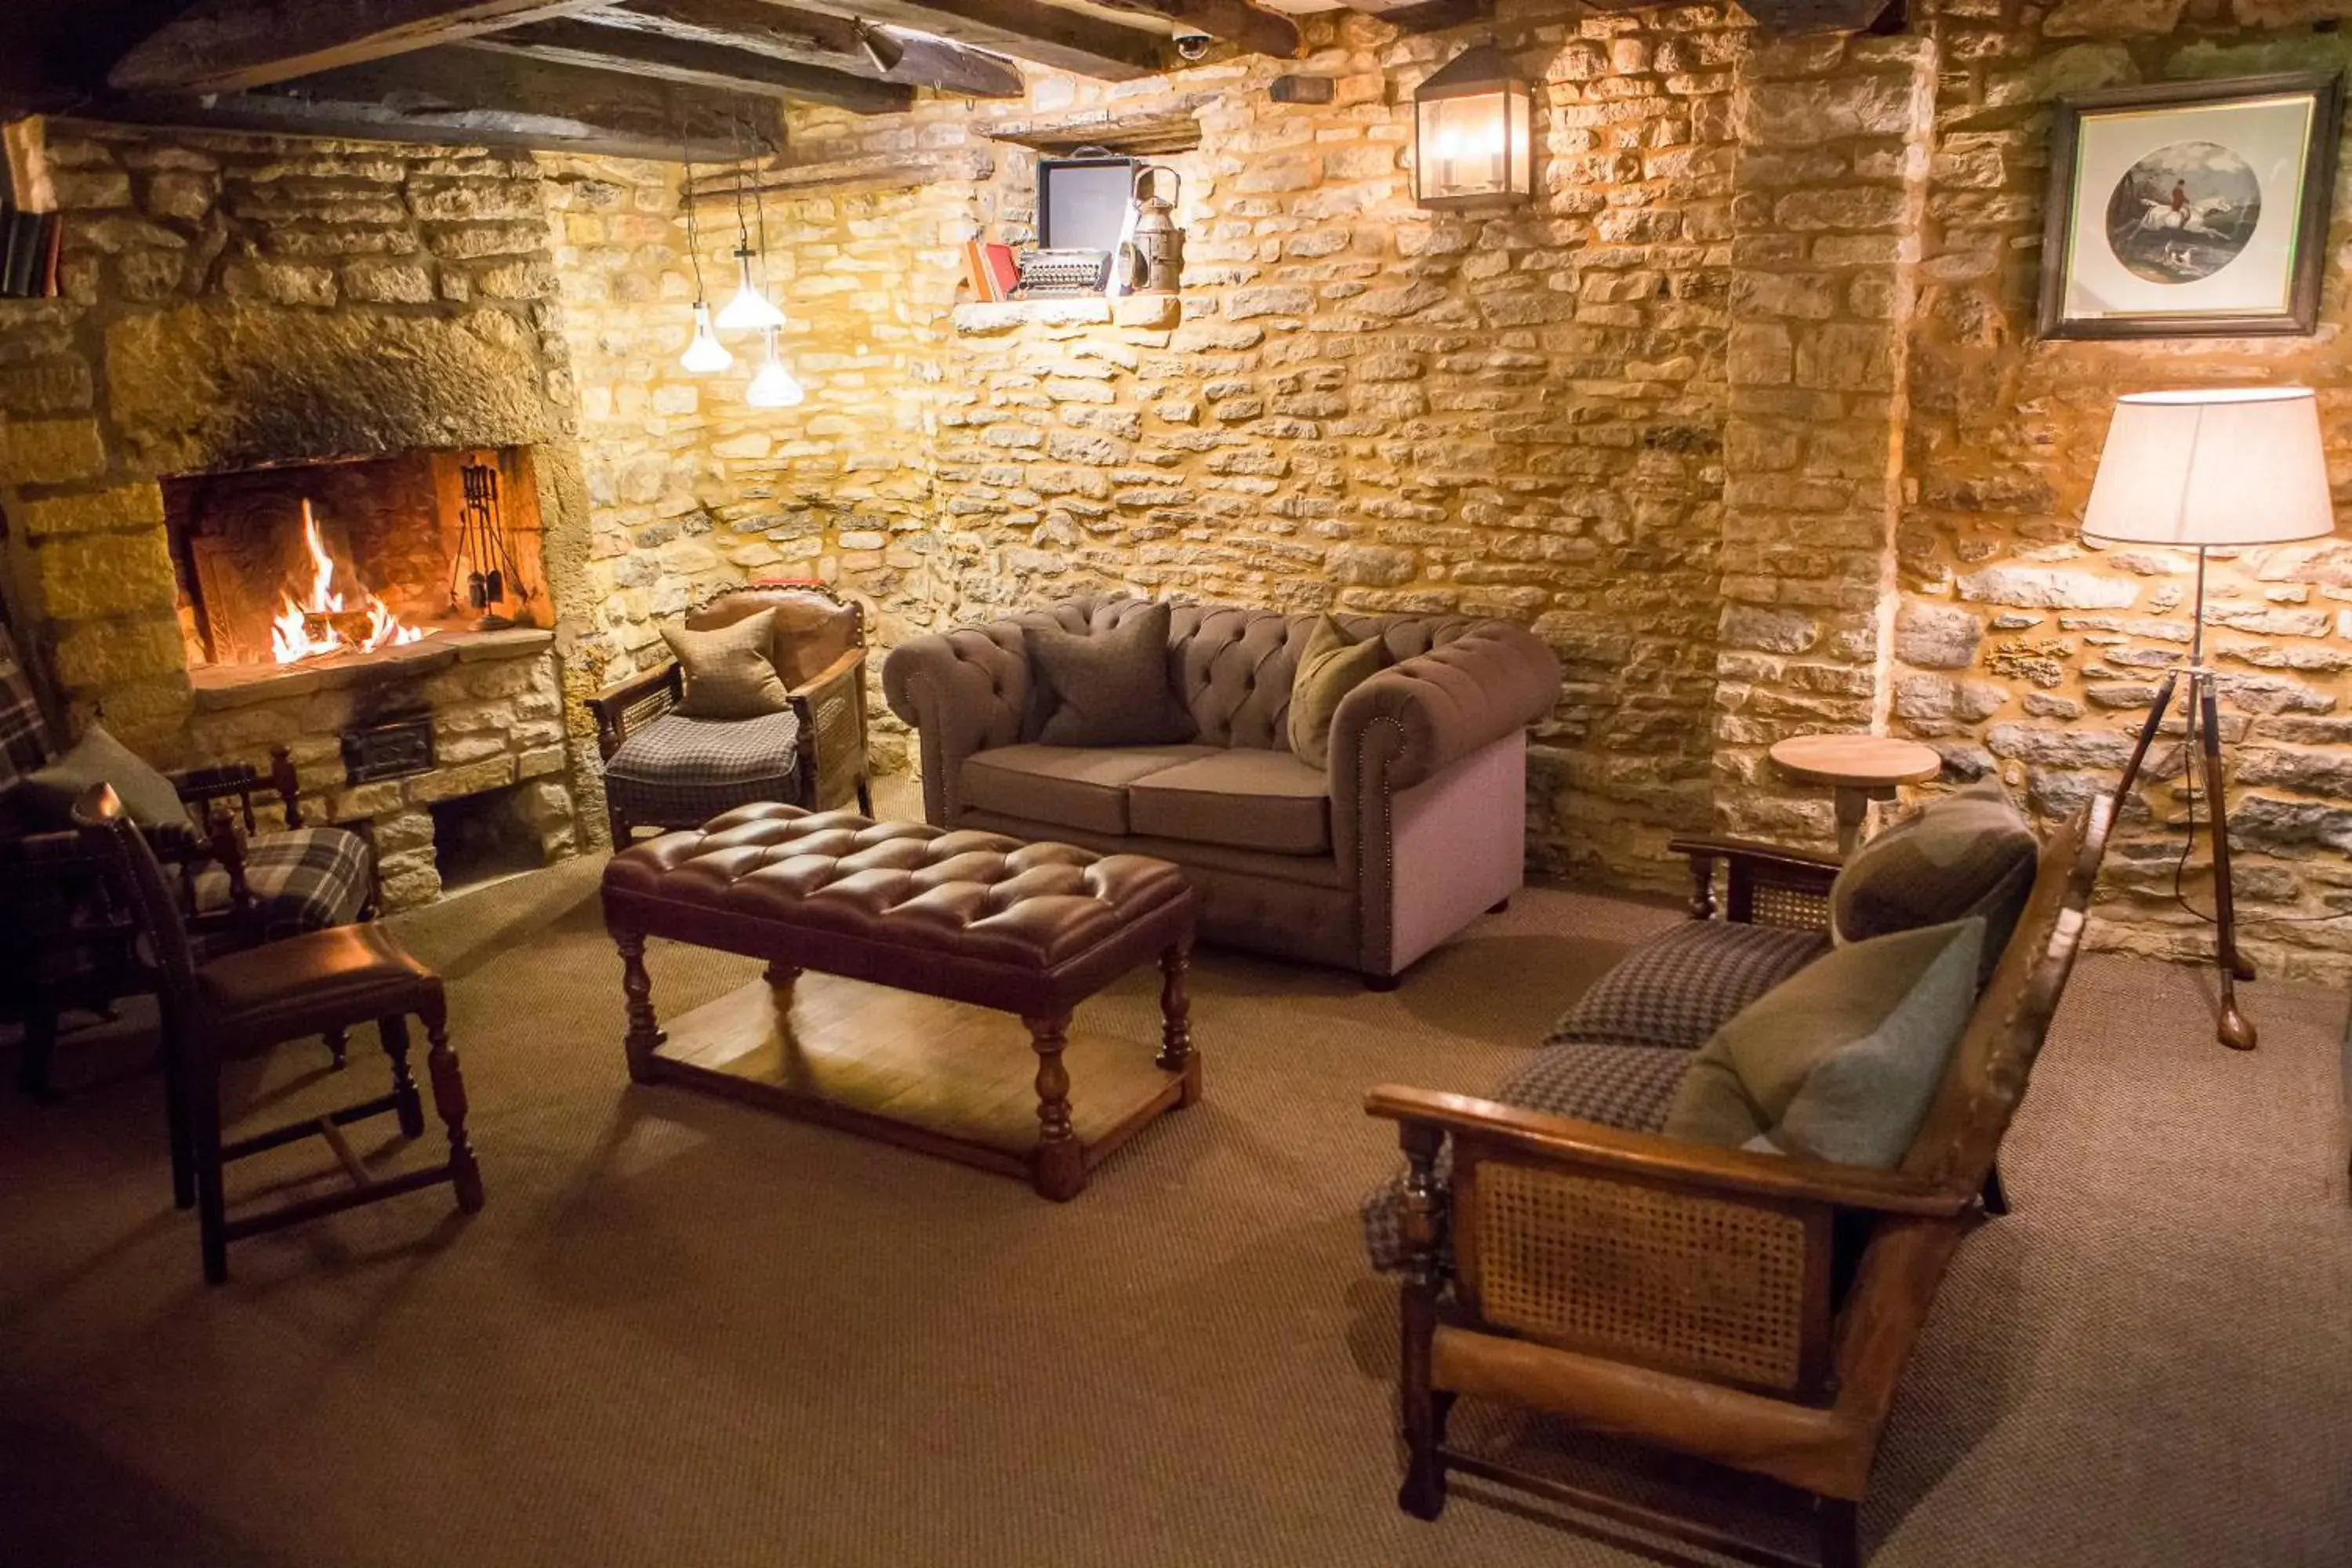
column 728, row 673
column 1841, row 1059
column 1331, row 668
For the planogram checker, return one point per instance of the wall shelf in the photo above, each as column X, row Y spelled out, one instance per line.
column 1176, row 129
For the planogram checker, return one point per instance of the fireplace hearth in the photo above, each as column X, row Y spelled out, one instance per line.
column 282, row 569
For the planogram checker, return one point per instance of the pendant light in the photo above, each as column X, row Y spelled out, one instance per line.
column 750, row 310
column 773, row 386
column 706, row 355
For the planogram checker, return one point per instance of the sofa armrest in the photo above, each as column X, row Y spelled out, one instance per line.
column 1414, row 720
column 963, row 691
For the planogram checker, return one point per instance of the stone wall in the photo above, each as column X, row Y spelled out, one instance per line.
column 2019, row 647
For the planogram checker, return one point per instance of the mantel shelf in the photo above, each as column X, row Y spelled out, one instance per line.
column 983, row 319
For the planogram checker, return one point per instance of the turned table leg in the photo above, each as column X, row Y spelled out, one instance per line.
column 645, row 1035
column 1058, row 1169
column 1176, row 1020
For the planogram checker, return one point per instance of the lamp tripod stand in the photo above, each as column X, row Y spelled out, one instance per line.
column 2202, row 730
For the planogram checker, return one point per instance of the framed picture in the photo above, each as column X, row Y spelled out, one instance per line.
column 2193, row 209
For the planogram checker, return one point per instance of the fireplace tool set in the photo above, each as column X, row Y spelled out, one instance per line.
column 483, row 576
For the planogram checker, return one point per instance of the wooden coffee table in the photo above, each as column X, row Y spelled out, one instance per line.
column 1859, row 768
column 895, row 952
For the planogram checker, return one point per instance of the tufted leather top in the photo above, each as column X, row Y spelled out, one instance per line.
column 896, row 902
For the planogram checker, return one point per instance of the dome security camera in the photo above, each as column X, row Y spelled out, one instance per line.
column 1193, row 46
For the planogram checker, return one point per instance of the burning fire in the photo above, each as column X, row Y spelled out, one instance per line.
column 311, row 627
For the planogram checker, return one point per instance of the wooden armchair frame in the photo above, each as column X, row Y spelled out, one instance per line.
column 830, row 707
column 1749, row 1309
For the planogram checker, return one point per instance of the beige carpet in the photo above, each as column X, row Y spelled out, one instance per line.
column 688, row 1333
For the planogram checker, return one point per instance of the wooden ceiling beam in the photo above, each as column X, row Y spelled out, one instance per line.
column 1026, row 29
column 1258, row 30
column 463, row 96
column 225, row 45
column 814, row 38
column 694, row 64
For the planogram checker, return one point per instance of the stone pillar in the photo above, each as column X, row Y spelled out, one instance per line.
column 1830, row 198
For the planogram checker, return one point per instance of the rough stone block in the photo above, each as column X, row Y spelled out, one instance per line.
column 2044, row 588
column 1936, row 637
column 85, row 576
column 52, row 452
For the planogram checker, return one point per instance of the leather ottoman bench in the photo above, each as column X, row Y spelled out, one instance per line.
column 973, row 919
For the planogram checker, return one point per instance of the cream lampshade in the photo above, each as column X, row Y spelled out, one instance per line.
column 2213, row 467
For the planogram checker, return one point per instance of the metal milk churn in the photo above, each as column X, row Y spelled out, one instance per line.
column 1156, row 251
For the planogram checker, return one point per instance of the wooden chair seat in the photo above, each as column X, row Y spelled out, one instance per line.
column 314, row 983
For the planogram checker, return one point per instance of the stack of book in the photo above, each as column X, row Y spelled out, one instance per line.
column 30, row 227
column 990, row 271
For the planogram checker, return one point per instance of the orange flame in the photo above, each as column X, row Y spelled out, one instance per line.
column 308, row 628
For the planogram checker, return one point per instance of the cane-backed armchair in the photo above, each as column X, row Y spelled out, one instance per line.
column 665, row 770
column 1755, row 1309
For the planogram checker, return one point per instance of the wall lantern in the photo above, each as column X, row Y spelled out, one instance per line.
column 1472, row 123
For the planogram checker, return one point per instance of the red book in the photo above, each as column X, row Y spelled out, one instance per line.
column 976, row 273
column 1005, row 271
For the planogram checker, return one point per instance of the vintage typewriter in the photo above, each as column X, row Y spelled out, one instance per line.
column 1049, row 274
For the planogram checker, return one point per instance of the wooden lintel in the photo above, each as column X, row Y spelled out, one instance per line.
column 1075, row 41
column 1437, row 15
column 814, row 38
column 224, row 46
column 695, row 64
column 1170, row 128
column 1255, row 29
column 464, row 97
column 848, row 176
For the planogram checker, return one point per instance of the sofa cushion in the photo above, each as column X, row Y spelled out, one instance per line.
column 1681, row 985
column 1243, row 798
column 1110, row 687
column 681, row 771
column 1841, row 1060
column 1072, row 786
column 728, row 671
column 1969, row 853
column 1333, row 667
column 1627, row 1087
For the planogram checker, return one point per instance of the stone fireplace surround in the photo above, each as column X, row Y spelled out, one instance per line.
column 251, row 304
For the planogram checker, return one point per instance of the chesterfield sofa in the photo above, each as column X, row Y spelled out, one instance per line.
column 1416, row 825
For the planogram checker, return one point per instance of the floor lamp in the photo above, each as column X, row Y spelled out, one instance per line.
column 2216, row 469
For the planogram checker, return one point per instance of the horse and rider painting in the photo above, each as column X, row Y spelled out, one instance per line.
column 2183, row 211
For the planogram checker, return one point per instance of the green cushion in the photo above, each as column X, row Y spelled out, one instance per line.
column 98, row 758
column 1969, row 853
column 727, row 673
column 1841, row 1060
column 1331, row 668
column 1110, row 687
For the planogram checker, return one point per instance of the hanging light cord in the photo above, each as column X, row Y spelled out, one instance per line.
column 693, row 234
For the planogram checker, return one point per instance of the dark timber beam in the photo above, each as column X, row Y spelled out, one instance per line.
column 1026, row 29
column 812, row 39
column 223, row 46
column 465, row 98
column 694, row 65
column 1235, row 21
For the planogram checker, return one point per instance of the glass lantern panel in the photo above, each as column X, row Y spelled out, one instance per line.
column 1464, row 146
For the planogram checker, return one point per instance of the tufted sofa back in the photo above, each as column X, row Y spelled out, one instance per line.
column 1232, row 666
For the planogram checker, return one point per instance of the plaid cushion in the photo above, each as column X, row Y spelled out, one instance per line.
column 1680, row 987
column 1615, row 1085
column 23, row 738
column 686, row 771
column 306, row 879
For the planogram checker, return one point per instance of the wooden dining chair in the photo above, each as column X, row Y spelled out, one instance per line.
column 243, row 1005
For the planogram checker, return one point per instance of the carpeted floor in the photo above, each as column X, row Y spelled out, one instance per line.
column 688, row 1333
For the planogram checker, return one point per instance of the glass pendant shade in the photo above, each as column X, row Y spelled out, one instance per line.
column 750, row 309
column 706, row 355
column 773, row 387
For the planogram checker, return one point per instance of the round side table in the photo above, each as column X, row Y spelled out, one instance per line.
column 1859, row 768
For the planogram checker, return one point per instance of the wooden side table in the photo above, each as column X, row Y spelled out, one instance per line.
column 1859, row 768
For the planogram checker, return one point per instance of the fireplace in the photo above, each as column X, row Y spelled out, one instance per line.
column 353, row 564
